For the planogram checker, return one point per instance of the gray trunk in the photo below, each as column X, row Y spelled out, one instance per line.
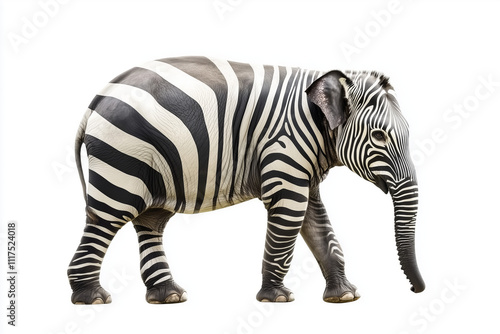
column 405, row 199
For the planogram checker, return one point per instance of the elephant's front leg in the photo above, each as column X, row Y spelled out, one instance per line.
column 319, row 236
column 286, row 210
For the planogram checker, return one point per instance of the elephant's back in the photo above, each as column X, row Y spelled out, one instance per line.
column 177, row 116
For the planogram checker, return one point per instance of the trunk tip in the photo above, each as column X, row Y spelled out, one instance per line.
column 419, row 288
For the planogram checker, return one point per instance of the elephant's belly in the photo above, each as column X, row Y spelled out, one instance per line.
column 189, row 205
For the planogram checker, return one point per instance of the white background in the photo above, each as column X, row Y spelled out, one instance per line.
column 439, row 55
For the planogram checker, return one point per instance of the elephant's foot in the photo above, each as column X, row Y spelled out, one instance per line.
column 92, row 294
column 166, row 293
column 340, row 292
column 275, row 294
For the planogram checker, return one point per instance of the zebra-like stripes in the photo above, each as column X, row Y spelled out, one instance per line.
column 183, row 125
column 192, row 134
column 373, row 143
column 85, row 267
column 374, row 140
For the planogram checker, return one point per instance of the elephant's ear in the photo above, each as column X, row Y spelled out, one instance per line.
column 328, row 92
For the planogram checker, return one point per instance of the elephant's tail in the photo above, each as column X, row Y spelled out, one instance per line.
column 80, row 135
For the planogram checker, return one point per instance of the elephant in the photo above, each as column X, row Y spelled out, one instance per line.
column 196, row 134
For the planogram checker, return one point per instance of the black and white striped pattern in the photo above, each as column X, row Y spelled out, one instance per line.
column 374, row 140
column 196, row 120
column 192, row 134
column 374, row 144
column 195, row 134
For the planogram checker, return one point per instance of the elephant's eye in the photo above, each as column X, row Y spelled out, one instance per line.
column 379, row 136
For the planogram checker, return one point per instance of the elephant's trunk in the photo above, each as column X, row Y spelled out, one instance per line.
column 405, row 198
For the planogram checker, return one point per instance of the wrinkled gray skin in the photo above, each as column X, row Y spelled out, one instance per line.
column 371, row 139
column 364, row 130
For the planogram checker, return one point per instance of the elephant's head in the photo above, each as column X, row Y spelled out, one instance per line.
column 371, row 139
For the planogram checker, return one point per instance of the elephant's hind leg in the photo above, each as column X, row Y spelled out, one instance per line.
column 85, row 267
column 109, row 208
column 155, row 272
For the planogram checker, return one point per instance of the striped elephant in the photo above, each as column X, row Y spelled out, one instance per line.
column 192, row 134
